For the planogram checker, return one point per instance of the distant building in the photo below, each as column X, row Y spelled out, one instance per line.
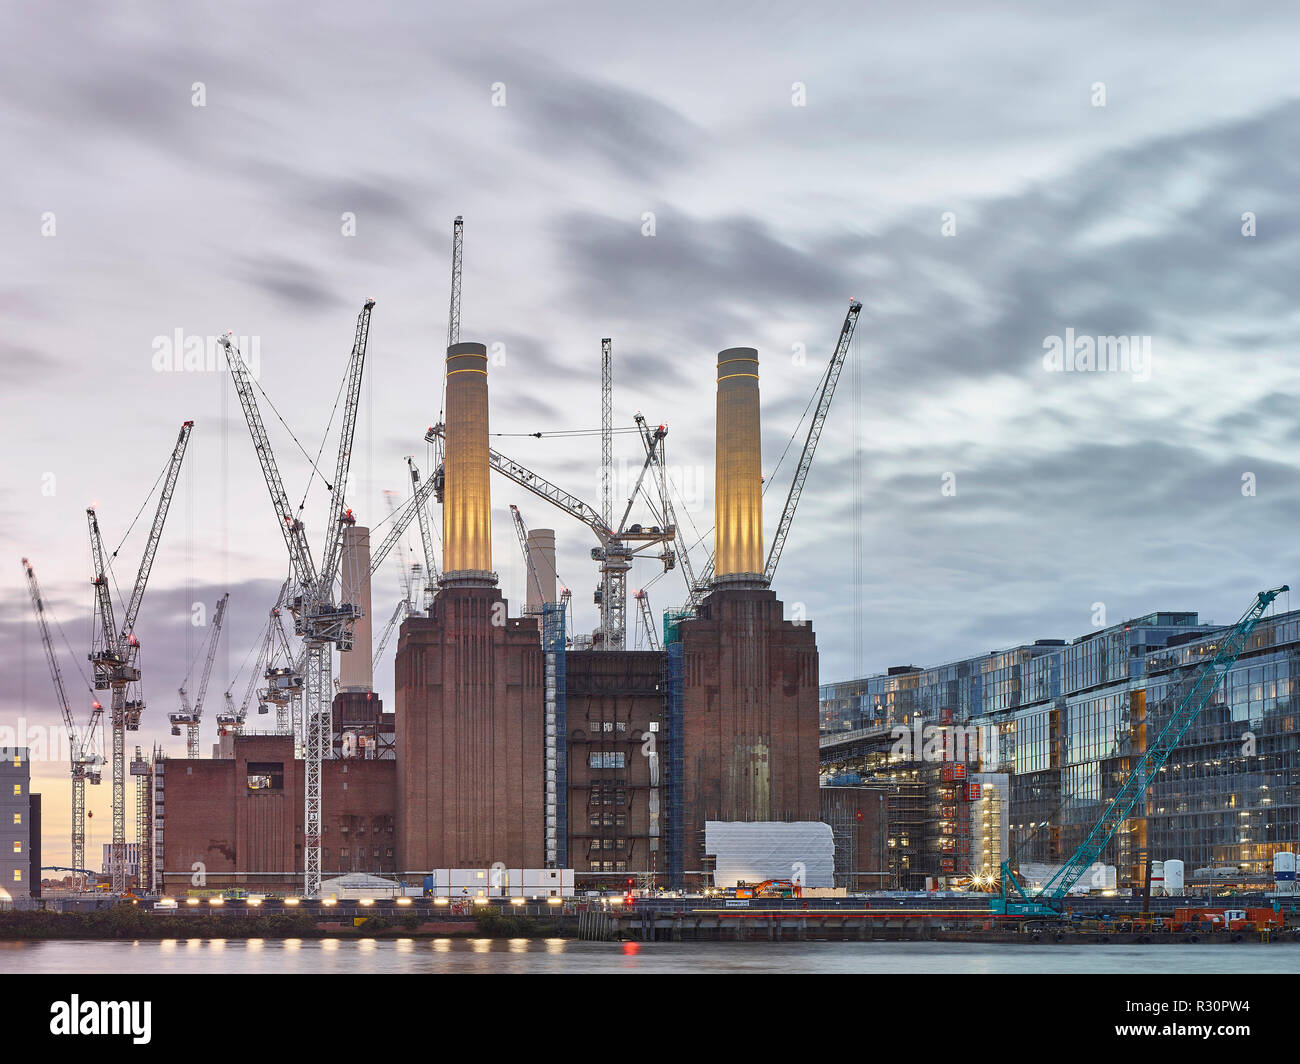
column 20, row 833
column 132, row 860
column 1063, row 724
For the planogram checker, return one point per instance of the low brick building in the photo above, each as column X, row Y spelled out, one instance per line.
column 237, row 822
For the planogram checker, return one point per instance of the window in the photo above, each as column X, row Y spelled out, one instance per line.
column 18, row 761
column 18, row 847
column 343, row 851
column 265, row 776
column 18, row 818
column 18, row 875
column 608, row 759
column 18, row 789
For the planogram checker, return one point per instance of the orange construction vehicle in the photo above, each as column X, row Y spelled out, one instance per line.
column 769, row 888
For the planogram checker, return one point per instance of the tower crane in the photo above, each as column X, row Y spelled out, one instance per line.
column 647, row 619
column 652, row 440
column 284, row 682
column 230, row 721
column 531, row 579
column 827, row 392
column 322, row 622
column 115, row 652
column 400, row 524
column 814, row 434
column 426, row 535
column 1047, row 901
column 407, row 567
column 617, row 546
column 85, row 762
column 401, row 611
column 190, row 717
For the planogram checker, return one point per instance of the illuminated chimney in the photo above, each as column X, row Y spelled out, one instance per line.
column 467, row 499
column 738, row 473
column 354, row 570
column 541, row 576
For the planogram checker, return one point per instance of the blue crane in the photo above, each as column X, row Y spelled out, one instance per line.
column 1048, row 900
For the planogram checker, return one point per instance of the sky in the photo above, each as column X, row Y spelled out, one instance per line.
column 984, row 178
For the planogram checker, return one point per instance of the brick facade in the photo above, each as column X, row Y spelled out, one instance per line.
column 241, row 818
column 470, row 725
column 750, row 716
column 614, row 701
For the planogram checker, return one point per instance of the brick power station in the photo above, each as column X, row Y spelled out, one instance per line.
column 481, row 762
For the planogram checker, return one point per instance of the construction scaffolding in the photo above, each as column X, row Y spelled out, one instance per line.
column 141, row 771
column 675, row 702
column 557, row 768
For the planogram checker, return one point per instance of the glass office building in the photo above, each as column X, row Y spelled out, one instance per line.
column 1070, row 719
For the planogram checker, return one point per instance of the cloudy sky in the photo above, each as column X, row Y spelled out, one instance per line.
column 681, row 179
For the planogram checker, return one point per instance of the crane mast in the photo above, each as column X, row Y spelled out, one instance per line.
column 457, row 252
column 84, row 764
column 612, row 595
column 115, row 657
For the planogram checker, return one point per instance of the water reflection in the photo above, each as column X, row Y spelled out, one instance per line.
column 469, row 956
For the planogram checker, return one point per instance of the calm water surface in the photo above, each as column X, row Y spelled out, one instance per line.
column 274, row 956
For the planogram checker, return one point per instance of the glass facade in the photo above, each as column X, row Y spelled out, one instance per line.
column 1072, row 718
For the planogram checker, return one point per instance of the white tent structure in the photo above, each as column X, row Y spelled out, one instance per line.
column 355, row 886
column 754, row 852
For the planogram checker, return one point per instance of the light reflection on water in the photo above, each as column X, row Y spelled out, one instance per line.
column 274, row 956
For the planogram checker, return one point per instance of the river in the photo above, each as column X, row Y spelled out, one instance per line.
column 468, row 956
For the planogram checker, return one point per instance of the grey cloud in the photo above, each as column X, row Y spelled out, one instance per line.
column 292, row 281
column 564, row 114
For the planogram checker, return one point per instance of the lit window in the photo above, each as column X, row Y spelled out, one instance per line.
column 18, row 818
column 18, row 789
column 18, row 846
column 18, row 875
column 18, row 761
